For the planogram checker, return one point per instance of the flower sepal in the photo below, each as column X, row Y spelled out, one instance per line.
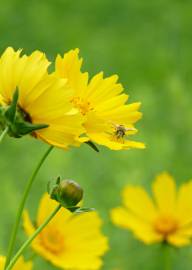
column 12, row 117
column 92, row 145
column 21, row 128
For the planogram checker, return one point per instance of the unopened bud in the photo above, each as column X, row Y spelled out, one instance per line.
column 70, row 192
column 67, row 192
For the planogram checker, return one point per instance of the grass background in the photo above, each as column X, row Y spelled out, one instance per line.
column 148, row 44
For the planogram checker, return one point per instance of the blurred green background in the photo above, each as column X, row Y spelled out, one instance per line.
column 148, row 44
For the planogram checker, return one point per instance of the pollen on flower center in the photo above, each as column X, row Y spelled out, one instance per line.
column 166, row 225
column 83, row 106
column 52, row 240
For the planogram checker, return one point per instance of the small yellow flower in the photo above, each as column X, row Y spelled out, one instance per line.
column 20, row 265
column 43, row 98
column 70, row 241
column 108, row 119
column 165, row 217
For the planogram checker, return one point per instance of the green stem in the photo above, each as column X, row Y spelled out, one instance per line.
column 21, row 207
column 167, row 257
column 3, row 134
column 32, row 237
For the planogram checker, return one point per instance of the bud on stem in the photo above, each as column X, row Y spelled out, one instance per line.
column 67, row 192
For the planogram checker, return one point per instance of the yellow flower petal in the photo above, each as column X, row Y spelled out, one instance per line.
column 178, row 240
column 164, row 191
column 126, row 114
column 184, row 203
column 111, row 104
column 7, row 61
column 142, row 230
column 137, row 201
column 21, row 264
column 2, row 103
column 69, row 67
column 100, row 89
column 123, row 218
column 33, row 70
column 46, row 206
column 112, row 143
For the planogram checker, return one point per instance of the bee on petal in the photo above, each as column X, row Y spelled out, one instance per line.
column 100, row 101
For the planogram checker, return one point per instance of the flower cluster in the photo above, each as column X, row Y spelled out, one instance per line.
column 64, row 108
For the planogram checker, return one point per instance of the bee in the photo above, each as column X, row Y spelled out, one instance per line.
column 120, row 131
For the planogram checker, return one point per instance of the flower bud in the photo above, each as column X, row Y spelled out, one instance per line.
column 69, row 192
column 66, row 192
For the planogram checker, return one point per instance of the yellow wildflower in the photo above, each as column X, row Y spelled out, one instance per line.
column 108, row 119
column 166, row 218
column 20, row 265
column 70, row 241
column 43, row 99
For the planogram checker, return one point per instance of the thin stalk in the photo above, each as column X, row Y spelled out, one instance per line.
column 3, row 134
column 21, row 207
column 167, row 257
column 32, row 237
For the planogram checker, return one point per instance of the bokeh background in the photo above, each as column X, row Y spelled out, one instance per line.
column 148, row 44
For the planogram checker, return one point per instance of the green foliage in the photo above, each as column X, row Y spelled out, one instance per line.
column 148, row 44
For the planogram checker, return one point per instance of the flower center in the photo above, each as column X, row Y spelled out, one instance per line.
column 52, row 240
column 166, row 225
column 83, row 106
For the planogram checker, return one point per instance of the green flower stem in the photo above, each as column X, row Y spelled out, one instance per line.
column 3, row 134
column 167, row 257
column 21, row 207
column 32, row 237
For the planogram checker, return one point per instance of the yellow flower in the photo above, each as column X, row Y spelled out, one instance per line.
column 108, row 119
column 21, row 264
column 70, row 241
column 43, row 98
column 165, row 217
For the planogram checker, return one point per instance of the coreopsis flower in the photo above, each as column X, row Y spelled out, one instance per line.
column 70, row 241
column 167, row 216
column 21, row 264
column 43, row 99
column 109, row 120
